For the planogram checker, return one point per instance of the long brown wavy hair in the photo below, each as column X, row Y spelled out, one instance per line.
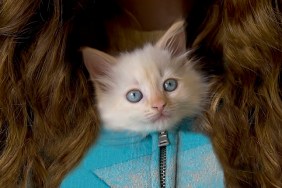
column 48, row 118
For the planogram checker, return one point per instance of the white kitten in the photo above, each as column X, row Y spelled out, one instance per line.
column 149, row 89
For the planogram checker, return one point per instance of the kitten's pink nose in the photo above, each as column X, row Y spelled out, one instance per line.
column 159, row 105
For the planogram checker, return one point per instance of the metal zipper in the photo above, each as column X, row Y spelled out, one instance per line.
column 163, row 142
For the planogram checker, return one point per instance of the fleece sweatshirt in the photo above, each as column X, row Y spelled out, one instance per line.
column 175, row 158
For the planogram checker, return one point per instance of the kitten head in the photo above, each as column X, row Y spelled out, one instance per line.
column 149, row 89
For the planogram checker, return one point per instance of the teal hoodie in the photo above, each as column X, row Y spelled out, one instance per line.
column 176, row 158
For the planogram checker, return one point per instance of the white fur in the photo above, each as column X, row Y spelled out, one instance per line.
column 146, row 69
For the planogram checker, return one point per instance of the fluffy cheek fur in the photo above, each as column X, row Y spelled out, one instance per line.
column 193, row 92
column 189, row 98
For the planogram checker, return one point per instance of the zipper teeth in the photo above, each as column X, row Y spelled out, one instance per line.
column 162, row 165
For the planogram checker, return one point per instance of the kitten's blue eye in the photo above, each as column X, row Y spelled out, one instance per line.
column 170, row 85
column 134, row 96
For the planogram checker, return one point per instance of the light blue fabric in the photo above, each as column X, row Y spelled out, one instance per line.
column 132, row 160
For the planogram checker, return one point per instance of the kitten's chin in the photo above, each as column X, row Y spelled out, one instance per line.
column 141, row 125
column 159, row 118
column 161, row 124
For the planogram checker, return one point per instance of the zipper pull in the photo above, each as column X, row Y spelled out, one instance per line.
column 163, row 139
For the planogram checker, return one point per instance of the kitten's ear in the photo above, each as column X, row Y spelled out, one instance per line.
column 174, row 39
column 97, row 63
